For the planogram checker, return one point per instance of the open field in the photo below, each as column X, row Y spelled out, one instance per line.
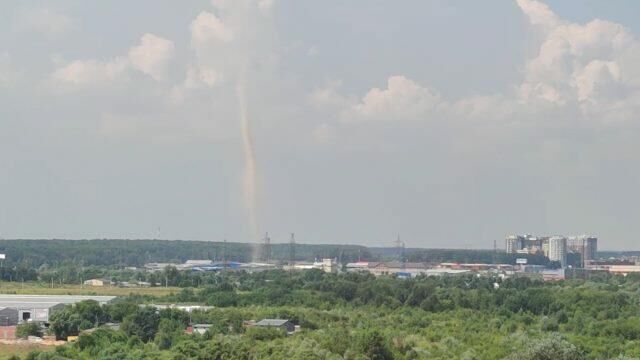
column 67, row 289
column 6, row 351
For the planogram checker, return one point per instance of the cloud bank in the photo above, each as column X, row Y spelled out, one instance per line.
column 151, row 56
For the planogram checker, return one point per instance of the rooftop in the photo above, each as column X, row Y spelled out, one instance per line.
column 272, row 322
column 8, row 300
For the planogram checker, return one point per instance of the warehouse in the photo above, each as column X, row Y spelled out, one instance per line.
column 41, row 307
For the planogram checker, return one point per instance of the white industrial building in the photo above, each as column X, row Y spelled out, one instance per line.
column 41, row 307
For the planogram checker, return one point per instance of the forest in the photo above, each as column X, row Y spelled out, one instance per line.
column 111, row 252
column 358, row 316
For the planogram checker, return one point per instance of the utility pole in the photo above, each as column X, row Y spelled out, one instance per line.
column 292, row 252
column 267, row 248
column 400, row 249
column 224, row 255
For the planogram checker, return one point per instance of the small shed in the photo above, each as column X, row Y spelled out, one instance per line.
column 8, row 316
column 283, row 324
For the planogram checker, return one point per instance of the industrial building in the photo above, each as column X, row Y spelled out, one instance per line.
column 208, row 265
column 413, row 269
column 39, row 307
column 327, row 265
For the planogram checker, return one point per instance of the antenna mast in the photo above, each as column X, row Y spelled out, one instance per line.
column 267, row 248
column 401, row 252
column 292, row 251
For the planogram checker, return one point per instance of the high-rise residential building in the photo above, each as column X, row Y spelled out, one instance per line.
column 525, row 244
column 555, row 248
column 514, row 243
column 586, row 246
column 558, row 249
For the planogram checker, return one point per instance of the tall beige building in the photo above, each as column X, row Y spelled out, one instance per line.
column 558, row 249
column 586, row 246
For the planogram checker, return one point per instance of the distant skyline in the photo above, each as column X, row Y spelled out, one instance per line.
column 453, row 123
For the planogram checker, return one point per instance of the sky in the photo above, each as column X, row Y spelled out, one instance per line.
column 451, row 123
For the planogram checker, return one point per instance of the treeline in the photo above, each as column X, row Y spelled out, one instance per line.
column 357, row 316
column 34, row 253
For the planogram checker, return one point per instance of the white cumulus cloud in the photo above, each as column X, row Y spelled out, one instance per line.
column 590, row 69
column 152, row 56
column 207, row 27
column 403, row 98
column 596, row 65
column 84, row 72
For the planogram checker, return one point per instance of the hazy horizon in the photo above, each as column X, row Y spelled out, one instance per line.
column 452, row 123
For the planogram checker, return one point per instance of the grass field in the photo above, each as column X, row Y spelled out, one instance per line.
column 6, row 351
column 67, row 289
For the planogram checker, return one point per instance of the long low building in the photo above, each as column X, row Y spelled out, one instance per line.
column 41, row 307
column 413, row 269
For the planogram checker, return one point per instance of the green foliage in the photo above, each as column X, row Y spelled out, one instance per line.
column 26, row 329
column 552, row 348
column 81, row 316
column 371, row 344
column 27, row 255
column 142, row 323
column 358, row 316
column 264, row 333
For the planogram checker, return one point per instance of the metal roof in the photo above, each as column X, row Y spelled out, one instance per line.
column 29, row 305
column 44, row 301
column 272, row 322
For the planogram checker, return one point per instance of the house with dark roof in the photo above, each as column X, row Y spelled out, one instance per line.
column 285, row 325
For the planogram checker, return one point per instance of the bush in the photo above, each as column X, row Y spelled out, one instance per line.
column 264, row 333
column 28, row 329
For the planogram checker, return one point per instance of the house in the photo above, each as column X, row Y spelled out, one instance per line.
column 98, row 282
column 285, row 325
column 197, row 328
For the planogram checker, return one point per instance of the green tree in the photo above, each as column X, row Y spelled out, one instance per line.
column 551, row 348
column 143, row 323
column 372, row 344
